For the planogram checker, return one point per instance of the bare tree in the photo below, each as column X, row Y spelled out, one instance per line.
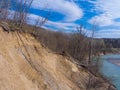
column 91, row 48
column 39, row 22
column 21, row 11
column 91, row 42
column 4, row 9
column 78, row 45
column 95, row 47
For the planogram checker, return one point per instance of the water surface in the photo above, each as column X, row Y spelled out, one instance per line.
column 111, row 69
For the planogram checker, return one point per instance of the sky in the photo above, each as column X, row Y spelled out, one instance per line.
column 66, row 15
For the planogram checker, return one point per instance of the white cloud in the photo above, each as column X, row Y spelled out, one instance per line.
column 68, row 27
column 110, row 33
column 102, row 20
column 109, row 9
column 32, row 18
column 58, row 25
column 71, row 11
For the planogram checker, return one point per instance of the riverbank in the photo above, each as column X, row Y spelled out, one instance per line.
column 115, row 61
column 110, row 69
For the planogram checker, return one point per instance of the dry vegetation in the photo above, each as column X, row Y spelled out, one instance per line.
column 25, row 64
column 75, row 45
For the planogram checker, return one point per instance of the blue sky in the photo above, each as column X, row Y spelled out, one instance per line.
column 66, row 15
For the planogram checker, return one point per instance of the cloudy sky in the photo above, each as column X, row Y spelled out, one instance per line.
column 65, row 15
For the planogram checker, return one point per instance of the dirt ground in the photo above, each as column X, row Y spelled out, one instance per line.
column 26, row 65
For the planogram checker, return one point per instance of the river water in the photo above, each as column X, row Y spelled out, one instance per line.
column 110, row 68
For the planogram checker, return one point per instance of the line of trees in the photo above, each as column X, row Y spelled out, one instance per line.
column 17, row 12
column 77, row 44
column 21, row 9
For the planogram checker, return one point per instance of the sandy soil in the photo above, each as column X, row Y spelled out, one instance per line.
column 26, row 65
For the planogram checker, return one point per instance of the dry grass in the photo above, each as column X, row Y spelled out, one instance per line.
column 26, row 65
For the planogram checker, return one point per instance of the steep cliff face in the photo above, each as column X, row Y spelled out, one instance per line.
column 27, row 65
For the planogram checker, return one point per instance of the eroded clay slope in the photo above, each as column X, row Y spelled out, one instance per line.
column 26, row 65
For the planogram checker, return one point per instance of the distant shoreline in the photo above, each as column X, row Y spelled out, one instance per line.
column 115, row 61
